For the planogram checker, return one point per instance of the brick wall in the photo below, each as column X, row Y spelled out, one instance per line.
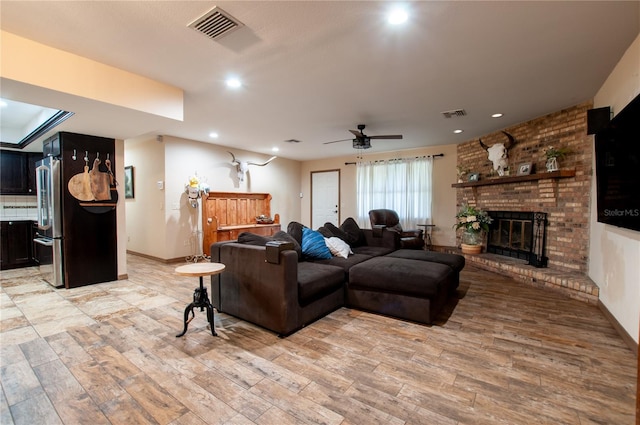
column 566, row 200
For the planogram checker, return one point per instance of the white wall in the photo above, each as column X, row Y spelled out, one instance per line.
column 145, row 212
column 614, row 253
column 444, row 196
column 161, row 223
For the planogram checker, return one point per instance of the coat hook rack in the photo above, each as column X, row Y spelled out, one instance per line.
column 74, row 157
column 86, row 157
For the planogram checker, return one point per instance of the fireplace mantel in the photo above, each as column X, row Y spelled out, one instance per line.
column 560, row 174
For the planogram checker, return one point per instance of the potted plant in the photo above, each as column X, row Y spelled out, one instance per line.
column 474, row 222
column 461, row 171
column 552, row 154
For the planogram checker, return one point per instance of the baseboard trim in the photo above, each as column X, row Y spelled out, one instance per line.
column 123, row 276
column 631, row 343
column 162, row 260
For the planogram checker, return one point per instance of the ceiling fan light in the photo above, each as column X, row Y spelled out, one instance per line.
column 361, row 144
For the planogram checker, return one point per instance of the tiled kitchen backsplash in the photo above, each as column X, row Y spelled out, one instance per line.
column 18, row 207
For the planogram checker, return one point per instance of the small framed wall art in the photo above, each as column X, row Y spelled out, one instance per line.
column 128, row 182
column 474, row 177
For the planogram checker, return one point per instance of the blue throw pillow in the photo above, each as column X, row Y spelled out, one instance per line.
column 313, row 245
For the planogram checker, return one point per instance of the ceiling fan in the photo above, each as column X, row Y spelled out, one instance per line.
column 363, row 141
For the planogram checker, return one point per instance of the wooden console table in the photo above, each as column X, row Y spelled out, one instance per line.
column 227, row 214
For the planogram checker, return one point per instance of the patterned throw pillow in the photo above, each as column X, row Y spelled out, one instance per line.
column 313, row 245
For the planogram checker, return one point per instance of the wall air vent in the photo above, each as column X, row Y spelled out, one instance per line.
column 292, row 141
column 454, row 113
column 216, row 23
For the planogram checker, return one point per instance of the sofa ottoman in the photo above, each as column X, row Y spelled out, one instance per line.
column 455, row 261
column 408, row 289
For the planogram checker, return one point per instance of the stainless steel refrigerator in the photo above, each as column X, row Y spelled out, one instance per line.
column 76, row 197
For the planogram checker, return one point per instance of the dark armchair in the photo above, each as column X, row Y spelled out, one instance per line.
column 388, row 219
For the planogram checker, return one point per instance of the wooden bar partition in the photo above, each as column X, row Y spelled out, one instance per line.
column 227, row 214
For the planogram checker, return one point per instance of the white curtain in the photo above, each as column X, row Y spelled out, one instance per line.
column 402, row 185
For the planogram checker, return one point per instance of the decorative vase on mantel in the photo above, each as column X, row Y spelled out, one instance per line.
column 553, row 155
column 471, row 242
column 552, row 164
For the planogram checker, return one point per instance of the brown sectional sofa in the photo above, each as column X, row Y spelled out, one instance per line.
column 293, row 291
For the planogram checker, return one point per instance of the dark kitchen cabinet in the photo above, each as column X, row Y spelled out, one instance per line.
column 13, row 173
column 18, row 172
column 16, row 238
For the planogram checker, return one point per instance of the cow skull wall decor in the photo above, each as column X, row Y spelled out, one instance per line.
column 243, row 166
column 498, row 153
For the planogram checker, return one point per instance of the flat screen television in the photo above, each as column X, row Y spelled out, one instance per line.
column 617, row 149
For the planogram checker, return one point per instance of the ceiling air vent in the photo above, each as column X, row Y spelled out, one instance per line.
column 454, row 113
column 216, row 23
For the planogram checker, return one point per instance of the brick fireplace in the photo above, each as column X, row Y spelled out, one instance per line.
column 564, row 198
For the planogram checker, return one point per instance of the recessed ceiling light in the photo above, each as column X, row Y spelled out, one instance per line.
column 397, row 16
column 458, row 131
column 234, row 83
column 498, row 115
column 3, row 104
column 275, row 149
column 213, row 135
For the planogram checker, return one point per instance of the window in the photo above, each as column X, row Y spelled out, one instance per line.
column 402, row 185
column 23, row 123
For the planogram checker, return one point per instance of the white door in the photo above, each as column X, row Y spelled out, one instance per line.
column 325, row 198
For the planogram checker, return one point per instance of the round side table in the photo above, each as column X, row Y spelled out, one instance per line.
column 428, row 228
column 200, row 295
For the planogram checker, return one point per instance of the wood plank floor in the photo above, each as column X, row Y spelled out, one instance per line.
column 503, row 353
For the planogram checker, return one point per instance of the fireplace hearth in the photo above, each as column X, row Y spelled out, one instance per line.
column 519, row 235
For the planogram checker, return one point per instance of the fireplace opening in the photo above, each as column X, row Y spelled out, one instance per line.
column 519, row 235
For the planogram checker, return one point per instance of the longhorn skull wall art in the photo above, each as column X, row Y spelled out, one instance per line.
column 243, row 166
column 498, row 153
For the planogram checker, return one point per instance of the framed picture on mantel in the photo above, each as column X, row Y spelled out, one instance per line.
column 524, row 169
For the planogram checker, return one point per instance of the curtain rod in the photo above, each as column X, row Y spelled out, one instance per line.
column 395, row 159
